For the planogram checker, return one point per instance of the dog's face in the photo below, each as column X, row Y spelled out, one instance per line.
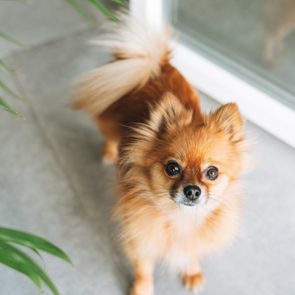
column 193, row 164
column 189, row 161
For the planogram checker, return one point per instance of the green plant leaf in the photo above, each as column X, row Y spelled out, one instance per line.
column 32, row 241
column 8, row 259
column 8, row 90
column 87, row 16
column 11, row 39
column 15, row 256
column 119, row 2
column 103, row 9
column 37, row 253
column 22, row 268
column 29, row 2
column 6, row 67
column 5, row 106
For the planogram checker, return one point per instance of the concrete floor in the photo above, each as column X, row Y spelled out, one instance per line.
column 52, row 182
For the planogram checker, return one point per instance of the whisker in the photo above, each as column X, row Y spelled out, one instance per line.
column 213, row 198
column 220, row 200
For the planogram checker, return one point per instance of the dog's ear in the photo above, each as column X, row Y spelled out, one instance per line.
column 229, row 119
column 169, row 114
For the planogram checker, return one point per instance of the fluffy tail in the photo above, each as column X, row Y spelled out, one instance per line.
column 139, row 54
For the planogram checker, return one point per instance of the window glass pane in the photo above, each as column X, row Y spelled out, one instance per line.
column 255, row 39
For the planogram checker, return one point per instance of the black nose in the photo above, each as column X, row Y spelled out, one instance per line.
column 192, row 192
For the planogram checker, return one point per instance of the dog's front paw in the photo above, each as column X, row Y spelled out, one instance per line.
column 110, row 153
column 140, row 291
column 194, row 283
column 142, row 287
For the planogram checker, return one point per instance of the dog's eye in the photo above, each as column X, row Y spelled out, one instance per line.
column 172, row 169
column 211, row 173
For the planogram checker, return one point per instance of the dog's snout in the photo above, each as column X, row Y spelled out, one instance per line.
column 192, row 192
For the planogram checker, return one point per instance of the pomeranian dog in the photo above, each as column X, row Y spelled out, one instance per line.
column 178, row 168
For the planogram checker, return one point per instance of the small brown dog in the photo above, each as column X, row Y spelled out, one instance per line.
column 178, row 167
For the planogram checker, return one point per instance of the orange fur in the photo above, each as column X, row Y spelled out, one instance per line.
column 151, row 125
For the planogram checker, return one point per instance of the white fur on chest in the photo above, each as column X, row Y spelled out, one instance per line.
column 184, row 245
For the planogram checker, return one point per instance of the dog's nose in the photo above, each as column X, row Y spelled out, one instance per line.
column 192, row 192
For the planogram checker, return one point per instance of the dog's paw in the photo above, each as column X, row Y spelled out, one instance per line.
column 110, row 153
column 108, row 159
column 140, row 291
column 194, row 283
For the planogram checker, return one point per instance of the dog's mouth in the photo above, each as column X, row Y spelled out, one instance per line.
column 181, row 200
column 189, row 203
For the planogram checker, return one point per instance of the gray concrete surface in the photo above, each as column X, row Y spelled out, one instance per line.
column 52, row 183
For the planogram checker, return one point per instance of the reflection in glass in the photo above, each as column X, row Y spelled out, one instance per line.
column 254, row 39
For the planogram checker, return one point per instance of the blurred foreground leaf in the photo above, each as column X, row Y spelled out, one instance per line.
column 6, row 67
column 87, row 16
column 5, row 106
column 32, row 241
column 18, row 260
column 10, row 39
column 104, row 9
column 8, row 90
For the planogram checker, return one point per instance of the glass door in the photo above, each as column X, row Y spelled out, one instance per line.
column 253, row 39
